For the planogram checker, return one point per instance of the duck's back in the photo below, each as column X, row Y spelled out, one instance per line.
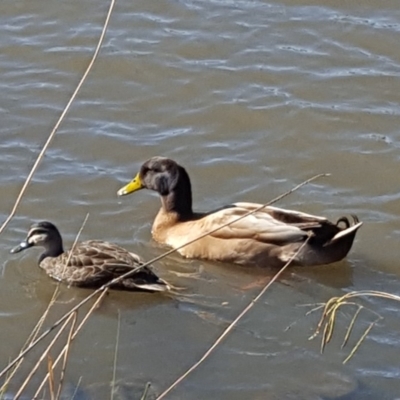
column 268, row 237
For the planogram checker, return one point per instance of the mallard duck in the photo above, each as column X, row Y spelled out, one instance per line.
column 269, row 237
column 92, row 263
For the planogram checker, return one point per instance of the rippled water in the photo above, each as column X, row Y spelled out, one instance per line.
column 252, row 97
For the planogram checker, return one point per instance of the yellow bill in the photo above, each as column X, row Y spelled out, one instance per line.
column 134, row 185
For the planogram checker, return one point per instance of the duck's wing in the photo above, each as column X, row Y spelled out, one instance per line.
column 94, row 263
column 284, row 215
column 269, row 225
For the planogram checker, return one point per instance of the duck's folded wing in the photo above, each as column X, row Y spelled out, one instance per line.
column 100, row 268
column 143, row 278
column 113, row 250
column 283, row 215
column 94, row 252
column 260, row 226
column 95, row 263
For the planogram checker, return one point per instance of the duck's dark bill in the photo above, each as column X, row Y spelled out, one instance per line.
column 20, row 247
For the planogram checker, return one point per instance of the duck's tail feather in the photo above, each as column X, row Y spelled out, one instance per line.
column 157, row 285
column 349, row 230
column 154, row 287
column 334, row 249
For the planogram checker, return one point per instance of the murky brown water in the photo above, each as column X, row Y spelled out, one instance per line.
column 252, row 97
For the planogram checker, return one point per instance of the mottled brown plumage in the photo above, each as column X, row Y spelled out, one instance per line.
column 269, row 237
column 92, row 263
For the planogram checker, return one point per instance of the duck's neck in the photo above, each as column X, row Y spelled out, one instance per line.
column 179, row 198
column 53, row 249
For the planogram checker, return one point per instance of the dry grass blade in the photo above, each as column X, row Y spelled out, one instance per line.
column 35, row 166
column 9, row 376
column 115, row 356
column 35, row 331
column 331, row 318
column 351, row 326
column 325, row 313
column 146, row 391
column 63, row 114
column 232, row 324
column 71, row 252
column 66, row 354
column 76, row 389
column 44, row 354
column 45, row 314
column 84, row 301
column 323, row 341
column 90, row 312
column 329, row 315
column 31, row 338
column 94, row 306
column 358, row 344
column 49, row 330
column 50, row 368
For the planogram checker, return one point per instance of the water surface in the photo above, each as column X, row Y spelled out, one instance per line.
column 252, row 97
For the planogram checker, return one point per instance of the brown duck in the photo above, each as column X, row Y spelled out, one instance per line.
column 267, row 238
column 91, row 264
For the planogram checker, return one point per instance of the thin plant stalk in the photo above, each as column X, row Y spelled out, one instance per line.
column 95, row 304
column 146, row 391
column 44, row 354
column 359, row 342
column 329, row 315
column 31, row 338
column 58, row 123
column 43, row 151
column 74, row 244
column 50, row 368
column 65, row 359
column 115, row 356
column 232, row 324
column 76, row 389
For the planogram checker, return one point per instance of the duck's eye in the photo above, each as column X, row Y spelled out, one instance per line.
column 38, row 231
column 144, row 171
column 157, row 168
